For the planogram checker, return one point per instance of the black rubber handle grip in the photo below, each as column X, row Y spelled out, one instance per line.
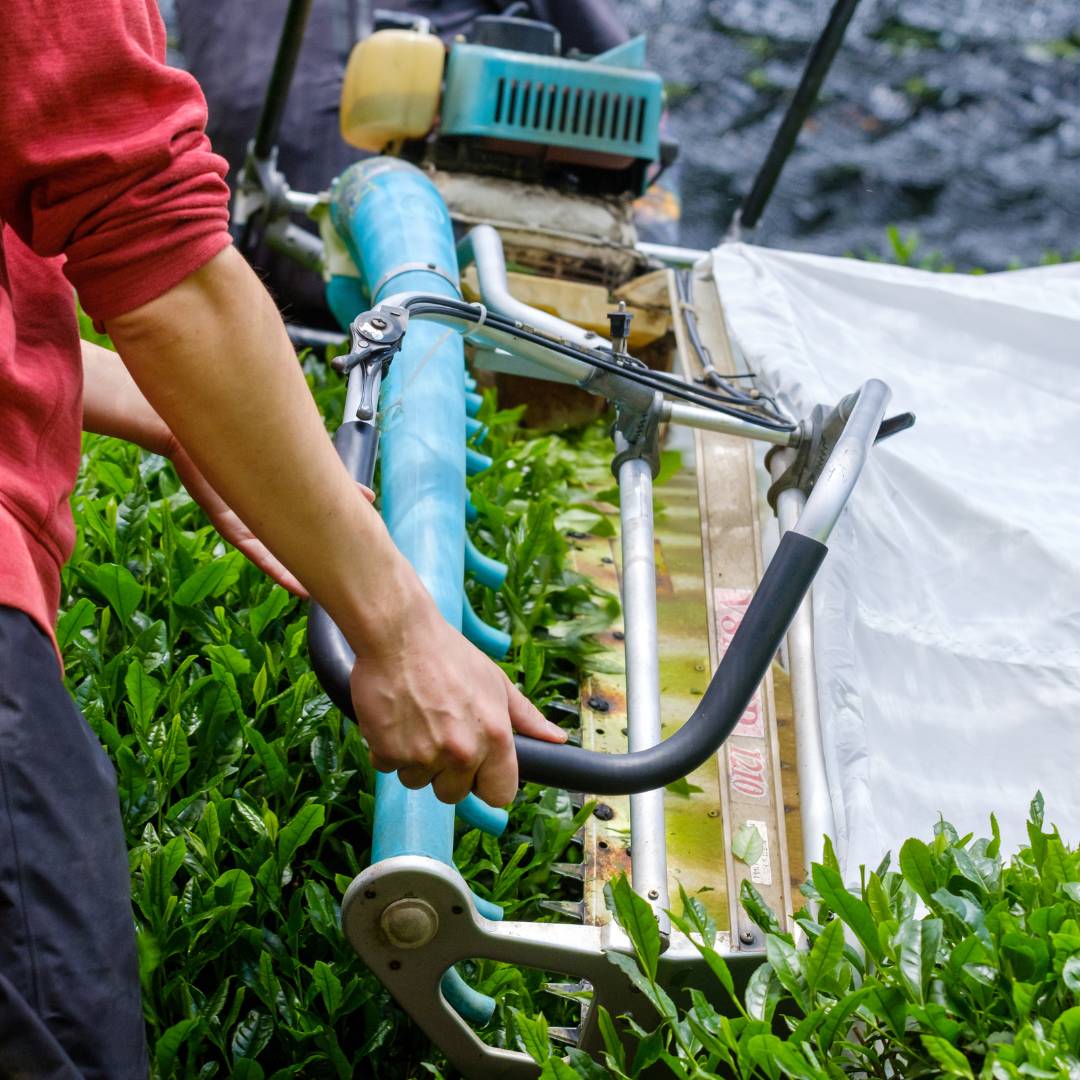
column 782, row 588
column 331, row 656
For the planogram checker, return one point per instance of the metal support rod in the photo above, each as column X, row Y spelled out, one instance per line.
column 817, row 67
column 648, row 835
column 815, row 801
column 670, row 255
column 277, row 91
column 484, row 246
column 696, row 417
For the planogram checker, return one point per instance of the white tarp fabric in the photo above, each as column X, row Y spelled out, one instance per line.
column 947, row 615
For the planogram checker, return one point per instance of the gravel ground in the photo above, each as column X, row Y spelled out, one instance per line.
column 958, row 119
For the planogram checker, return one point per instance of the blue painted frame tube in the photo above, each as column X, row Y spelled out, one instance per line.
column 391, row 216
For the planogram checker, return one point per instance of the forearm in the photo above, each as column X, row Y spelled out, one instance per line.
column 114, row 405
column 214, row 361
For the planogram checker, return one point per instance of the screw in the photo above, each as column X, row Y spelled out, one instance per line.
column 607, row 560
column 598, row 704
column 379, row 323
column 409, row 923
column 714, row 813
column 618, row 635
column 747, row 937
column 573, row 534
column 395, row 965
column 603, row 812
column 369, row 894
column 457, row 909
column 654, row 894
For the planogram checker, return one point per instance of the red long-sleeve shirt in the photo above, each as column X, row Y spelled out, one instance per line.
column 107, row 184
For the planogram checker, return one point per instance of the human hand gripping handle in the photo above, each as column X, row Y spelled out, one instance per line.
column 440, row 713
column 432, row 707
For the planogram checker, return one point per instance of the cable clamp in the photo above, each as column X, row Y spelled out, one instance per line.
column 482, row 308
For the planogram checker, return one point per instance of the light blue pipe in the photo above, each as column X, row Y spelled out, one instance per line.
column 475, row 462
column 486, row 570
column 460, row 996
column 490, row 819
column 346, row 297
column 496, row 643
column 390, row 215
column 475, row 431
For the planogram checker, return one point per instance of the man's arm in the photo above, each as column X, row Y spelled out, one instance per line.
column 213, row 359
column 114, row 405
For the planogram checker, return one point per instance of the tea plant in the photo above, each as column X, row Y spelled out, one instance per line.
column 247, row 798
column 954, row 964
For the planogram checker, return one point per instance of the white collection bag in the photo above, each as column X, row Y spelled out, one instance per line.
column 947, row 614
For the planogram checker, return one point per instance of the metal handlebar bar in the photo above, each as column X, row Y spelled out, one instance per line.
column 783, row 586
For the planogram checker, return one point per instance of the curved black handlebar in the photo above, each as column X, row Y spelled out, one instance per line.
column 744, row 665
column 741, row 670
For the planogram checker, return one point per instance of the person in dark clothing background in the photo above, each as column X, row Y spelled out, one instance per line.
column 230, row 48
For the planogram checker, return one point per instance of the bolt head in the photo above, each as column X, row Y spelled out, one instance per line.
column 409, row 923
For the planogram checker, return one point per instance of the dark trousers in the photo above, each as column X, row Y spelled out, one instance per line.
column 69, row 985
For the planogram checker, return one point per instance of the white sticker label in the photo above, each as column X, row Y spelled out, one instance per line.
column 761, row 871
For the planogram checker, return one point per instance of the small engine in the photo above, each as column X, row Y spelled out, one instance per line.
column 507, row 104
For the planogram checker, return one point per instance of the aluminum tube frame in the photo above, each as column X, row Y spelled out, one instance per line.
column 834, row 486
column 696, row 417
column 577, row 371
column 670, row 255
column 483, row 246
column 491, row 338
column 648, row 846
column 815, row 800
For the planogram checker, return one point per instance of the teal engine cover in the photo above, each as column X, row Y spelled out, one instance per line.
column 603, row 112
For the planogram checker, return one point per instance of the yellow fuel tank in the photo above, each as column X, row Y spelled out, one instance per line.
column 392, row 87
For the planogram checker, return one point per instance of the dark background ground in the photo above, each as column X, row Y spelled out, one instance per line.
column 956, row 118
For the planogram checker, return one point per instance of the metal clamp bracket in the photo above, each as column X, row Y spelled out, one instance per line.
column 637, row 435
column 815, row 440
column 376, row 337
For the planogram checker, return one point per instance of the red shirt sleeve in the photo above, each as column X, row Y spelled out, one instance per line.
column 105, row 158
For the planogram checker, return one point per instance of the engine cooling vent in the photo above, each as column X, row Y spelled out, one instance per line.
column 549, row 101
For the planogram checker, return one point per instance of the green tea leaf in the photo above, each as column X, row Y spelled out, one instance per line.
column 168, row 1046
column 918, row 867
column 918, row 941
column 952, row 1062
column 298, row 831
column 533, row 1035
column 252, row 1035
column 272, row 608
column 638, row 920
column 613, row 1045
column 72, row 622
column 852, row 910
column 329, row 987
column 209, row 580
column 825, row 955
column 747, row 845
column 653, row 993
column 143, row 691
column 117, row 584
